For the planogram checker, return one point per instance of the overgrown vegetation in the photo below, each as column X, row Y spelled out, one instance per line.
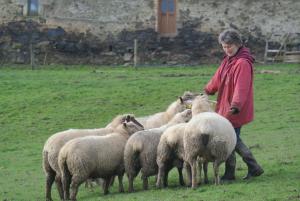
column 36, row 104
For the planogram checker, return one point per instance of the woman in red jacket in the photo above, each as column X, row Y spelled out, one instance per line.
column 234, row 83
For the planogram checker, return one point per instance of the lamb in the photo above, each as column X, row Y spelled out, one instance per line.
column 210, row 136
column 56, row 142
column 140, row 150
column 159, row 119
column 94, row 157
column 170, row 149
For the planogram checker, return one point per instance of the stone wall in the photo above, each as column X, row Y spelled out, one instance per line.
column 101, row 17
column 102, row 32
column 258, row 17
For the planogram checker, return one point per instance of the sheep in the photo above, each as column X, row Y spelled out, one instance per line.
column 140, row 150
column 161, row 118
column 55, row 143
column 201, row 104
column 212, row 138
column 94, row 157
column 170, row 149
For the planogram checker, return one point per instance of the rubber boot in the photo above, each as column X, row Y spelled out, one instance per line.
column 229, row 174
column 254, row 169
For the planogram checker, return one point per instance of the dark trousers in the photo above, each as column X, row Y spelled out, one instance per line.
column 247, row 156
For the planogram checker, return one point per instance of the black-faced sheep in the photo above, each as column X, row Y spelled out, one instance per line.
column 140, row 150
column 212, row 138
column 94, row 157
column 55, row 143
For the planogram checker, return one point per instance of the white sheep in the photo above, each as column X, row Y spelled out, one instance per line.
column 170, row 152
column 140, row 150
column 55, row 143
column 170, row 149
column 94, row 157
column 210, row 136
column 201, row 104
column 161, row 118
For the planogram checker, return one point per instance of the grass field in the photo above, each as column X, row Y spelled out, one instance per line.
column 36, row 104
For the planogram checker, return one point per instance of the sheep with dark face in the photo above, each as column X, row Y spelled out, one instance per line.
column 55, row 143
column 212, row 138
column 141, row 148
column 161, row 118
column 94, row 157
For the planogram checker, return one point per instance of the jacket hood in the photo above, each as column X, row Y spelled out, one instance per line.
column 244, row 53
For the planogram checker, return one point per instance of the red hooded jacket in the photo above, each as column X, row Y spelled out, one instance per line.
column 234, row 83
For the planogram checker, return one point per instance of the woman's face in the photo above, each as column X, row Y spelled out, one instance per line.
column 230, row 49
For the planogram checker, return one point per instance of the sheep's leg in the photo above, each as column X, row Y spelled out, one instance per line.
column 205, row 164
column 200, row 171
column 105, row 185
column 50, row 177
column 181, row 181
column 121, row 187
column 65, row 179
column 189, row 174
column 165, row 178
column 59, row 186
column 194, row 173
column 145, row 182
column 76, row 181
column 130, row 183
column 216, row 165
column 160, row 175
column 111, row 182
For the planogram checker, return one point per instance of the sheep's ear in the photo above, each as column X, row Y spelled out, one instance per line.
column 181, row 100
column 128, row 118
column 124, row 124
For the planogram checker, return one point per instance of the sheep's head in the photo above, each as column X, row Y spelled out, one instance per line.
column 131, row 127
column 120, row 119
column 201, row 104
column 187, row 99
column 182, row 117
column 131, row 118
column 188, row 95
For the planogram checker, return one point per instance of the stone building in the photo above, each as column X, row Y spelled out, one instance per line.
column 168, row 31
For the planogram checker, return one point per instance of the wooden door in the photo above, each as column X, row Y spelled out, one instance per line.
column 167, row 17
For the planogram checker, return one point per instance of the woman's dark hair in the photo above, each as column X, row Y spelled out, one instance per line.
column 230, row 36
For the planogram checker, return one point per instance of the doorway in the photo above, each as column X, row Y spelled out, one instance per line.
column 167, row 17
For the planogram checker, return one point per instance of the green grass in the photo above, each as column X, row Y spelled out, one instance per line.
column 36, row 104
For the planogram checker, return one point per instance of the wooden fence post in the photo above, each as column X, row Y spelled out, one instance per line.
column 135, row 56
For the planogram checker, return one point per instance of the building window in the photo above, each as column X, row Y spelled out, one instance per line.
column 33, row 6
column 167, row 6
